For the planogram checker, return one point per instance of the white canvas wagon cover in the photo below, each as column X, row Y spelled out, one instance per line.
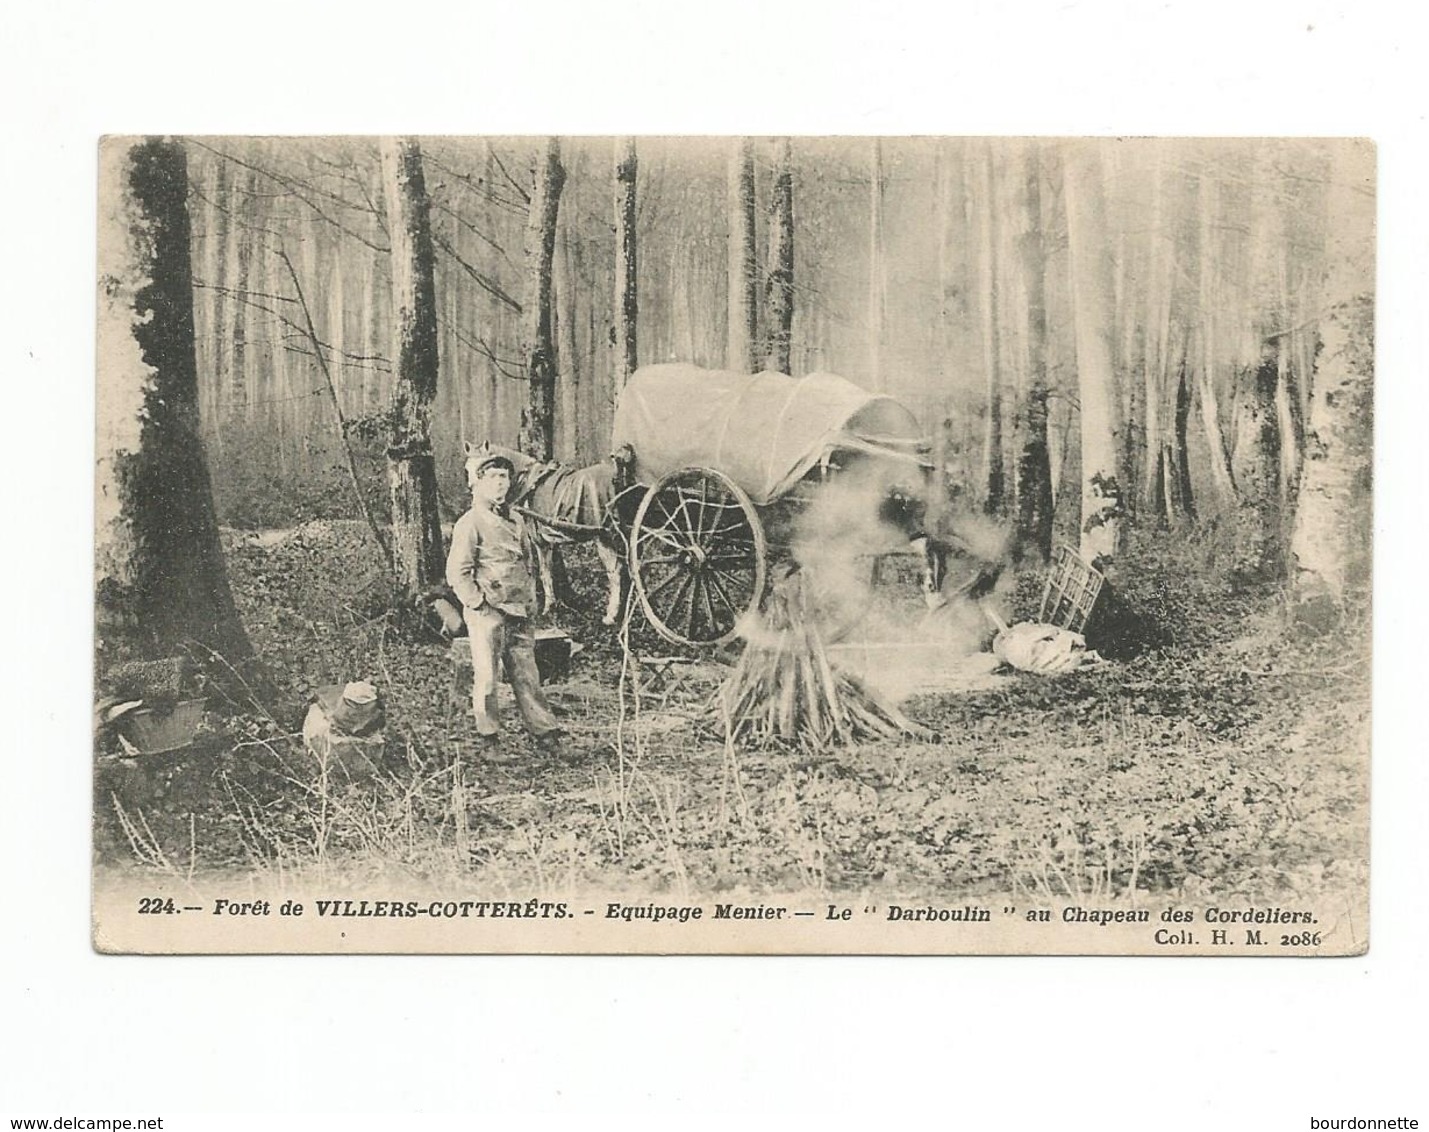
column 763, row 430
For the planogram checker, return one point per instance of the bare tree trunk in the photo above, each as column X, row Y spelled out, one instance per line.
column 1102, row 504
column 417, row 552
column 537, row 347
column 743, row 327
column 942, row 212
column 570, row 380
column 374, row 342
column 1287, row 396
column 1182, row 461
column 215, row 353
column 1034, row 469
column 226, row 308
column 1156, row 362
column 337, row 324
column 876, row 283
column 627, row 291
column 496, row 312
column 1206, row 383
column 1331, row 540
column 161, row 580
column 943, row 334
column 779, row 284
column 588, row 403
column 994, row 484
column 244, row 206
column 1257, row 466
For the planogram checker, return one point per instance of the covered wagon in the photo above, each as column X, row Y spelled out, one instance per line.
column 728, row 469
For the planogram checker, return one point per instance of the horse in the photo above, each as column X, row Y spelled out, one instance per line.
column 563, row 505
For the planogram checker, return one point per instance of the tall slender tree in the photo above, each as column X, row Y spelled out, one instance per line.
column 877, row 283
column 567, row 317
column 245, row 214
column 417, row 557
column 1287, row 397
column 993, row 482
column 1209, row 194
column 1156, row 360
column 538, row 347
column 742, row 350
column 215, row 362
column 627, row 292
column 1257, row 463
column 779, row 267
column 1102, row 503
column 161, row 580
column 1331, row 539
column 1034, row 469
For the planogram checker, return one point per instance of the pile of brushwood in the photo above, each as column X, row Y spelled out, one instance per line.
column 785, row 692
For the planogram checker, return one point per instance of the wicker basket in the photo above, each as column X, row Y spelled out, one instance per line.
column 1071, row 592
column 154, row 731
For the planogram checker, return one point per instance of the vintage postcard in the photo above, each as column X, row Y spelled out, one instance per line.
column 741, row 545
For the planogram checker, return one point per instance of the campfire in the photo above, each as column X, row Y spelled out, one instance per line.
column 784, row 690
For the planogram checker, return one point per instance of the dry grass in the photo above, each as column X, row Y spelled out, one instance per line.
column 1235, row 766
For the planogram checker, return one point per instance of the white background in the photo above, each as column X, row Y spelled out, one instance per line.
column 1134, row 1043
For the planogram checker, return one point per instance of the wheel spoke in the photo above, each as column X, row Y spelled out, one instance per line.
column 730, row 530
column 667, row 523
column 733, row 580
column 729, row 559
column 694, row 607
column 718, row 591
column 667, row 539
column 685, row 511
column 714, row 623
column 664, row 583
column 686, row 588
column 704, row 499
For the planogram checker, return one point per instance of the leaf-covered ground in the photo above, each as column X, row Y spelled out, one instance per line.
column 1221, row 755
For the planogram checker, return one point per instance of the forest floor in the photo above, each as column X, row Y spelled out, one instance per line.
column 1228, row 756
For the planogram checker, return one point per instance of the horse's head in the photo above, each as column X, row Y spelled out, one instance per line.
column 904, row 509
column 521, row 464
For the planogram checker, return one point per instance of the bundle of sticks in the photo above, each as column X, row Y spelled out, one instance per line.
column 784, row 689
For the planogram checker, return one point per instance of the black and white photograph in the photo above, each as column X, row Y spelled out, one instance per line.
column 681, row 566
column 944, row 545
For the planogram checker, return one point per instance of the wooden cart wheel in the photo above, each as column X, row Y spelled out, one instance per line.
column 697, row 556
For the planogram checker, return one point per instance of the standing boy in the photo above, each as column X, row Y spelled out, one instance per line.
column 489, row 571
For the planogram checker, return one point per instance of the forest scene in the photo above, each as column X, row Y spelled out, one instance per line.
column 1062, row 592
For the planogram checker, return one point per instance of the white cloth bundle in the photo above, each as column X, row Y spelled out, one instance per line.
column 1034, row 647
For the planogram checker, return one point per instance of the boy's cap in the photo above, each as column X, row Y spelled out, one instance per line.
column 492, row 461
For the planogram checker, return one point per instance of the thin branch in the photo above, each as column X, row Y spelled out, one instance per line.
column 478, row 186
column 337, row 408
column 472, row 228
column 249, row 298
column 344, row 361
column 241, row 221
column 515, row 184
column 292, row 186
column 491, row 288
column 348, row 173
column 479, row 346
column 237, row 291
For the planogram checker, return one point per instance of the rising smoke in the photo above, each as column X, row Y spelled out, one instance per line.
column 863, row 580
